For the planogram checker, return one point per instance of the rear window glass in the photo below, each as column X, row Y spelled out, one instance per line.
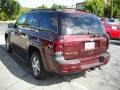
column 81, row 24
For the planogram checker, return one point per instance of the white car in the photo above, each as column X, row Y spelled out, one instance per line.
column 113, row 21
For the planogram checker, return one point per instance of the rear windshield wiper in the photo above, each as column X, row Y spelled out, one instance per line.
column 93, row 34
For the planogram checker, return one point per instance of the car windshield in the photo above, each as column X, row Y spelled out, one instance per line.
column 111, row 20
column 76, row 24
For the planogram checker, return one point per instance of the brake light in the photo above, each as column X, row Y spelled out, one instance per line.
column 58, row 45
column 107, row 43
column 107, row 46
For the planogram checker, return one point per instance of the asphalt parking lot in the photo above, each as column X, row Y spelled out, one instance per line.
column 16, row 75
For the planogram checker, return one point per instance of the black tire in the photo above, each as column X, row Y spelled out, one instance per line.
column 8, row 47
column 40, row 72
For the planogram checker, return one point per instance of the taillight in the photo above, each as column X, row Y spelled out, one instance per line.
column 107, row 41
column 107, row 46
column 58, row 45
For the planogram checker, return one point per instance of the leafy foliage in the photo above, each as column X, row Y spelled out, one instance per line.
column 54, row 6
column 98, row 7
column 116, row 8
column 95, row 6
column 24, row 9
column 10, row 7
column 57, row 6
column 43, row 7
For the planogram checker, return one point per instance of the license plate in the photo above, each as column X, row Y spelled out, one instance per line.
column 89, row 45
column 114, row 27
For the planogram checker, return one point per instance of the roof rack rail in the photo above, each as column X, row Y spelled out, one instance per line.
column 51, row 9
column 72, row 9
column 69, row 8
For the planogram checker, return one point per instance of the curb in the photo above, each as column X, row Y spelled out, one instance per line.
column 7, row 21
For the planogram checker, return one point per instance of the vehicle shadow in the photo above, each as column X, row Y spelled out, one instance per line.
column 115, row 42
column 23, row 71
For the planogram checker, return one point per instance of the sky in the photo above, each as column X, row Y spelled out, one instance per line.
column 36, row 3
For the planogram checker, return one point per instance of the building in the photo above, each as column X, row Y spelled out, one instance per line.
column 80, row 6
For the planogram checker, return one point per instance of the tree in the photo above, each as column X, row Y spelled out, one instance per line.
column 95, row 6
column 0, row 6
column 112, row 9
column 24, row 9
column 10, row 7
column 107, row 11
column 43, row 7
column 40, row 7
column 115, row 4
column 3, row 16
column 56, row 6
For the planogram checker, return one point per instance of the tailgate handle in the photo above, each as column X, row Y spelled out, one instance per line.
column 90, row 52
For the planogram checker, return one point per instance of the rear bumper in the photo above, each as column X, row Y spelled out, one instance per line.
column 77, row 65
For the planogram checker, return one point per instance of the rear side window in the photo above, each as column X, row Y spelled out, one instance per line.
column 48, row 21
column 21, row 20
column 29, row 21
column 36, row 22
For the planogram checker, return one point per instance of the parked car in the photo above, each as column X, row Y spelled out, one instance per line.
column 113, row 21
column 104, row 20
column 63, row 42
column 113, row 31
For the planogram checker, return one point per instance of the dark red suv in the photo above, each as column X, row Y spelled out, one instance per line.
column 63, row 42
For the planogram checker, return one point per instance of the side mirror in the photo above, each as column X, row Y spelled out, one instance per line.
column 11, row 25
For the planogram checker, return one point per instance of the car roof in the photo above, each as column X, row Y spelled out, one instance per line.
column 62, row 11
